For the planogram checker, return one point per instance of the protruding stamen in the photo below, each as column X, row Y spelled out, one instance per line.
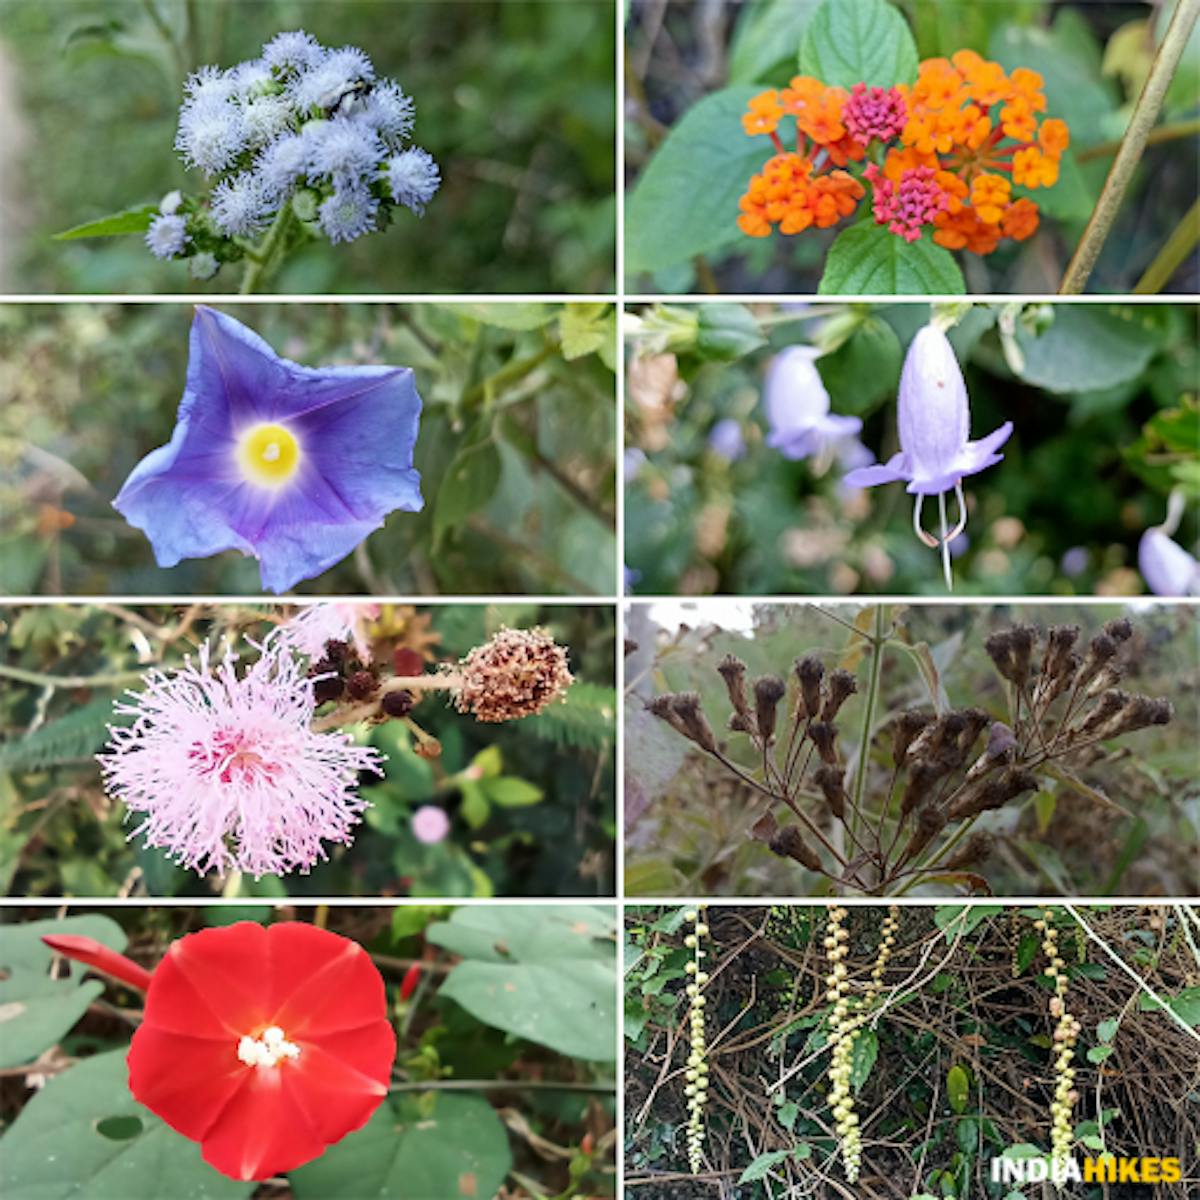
column 267, row 1049
column 947, row 535
column 271, row 453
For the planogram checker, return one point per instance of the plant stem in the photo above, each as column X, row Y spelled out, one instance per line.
column 508, row 374
column 443, row 681
column 69, row 681
column 1168, row 260
column 516, row 1085
column 1133, row 144
column 1164, row 133
column 864, row 751
column 269, row 252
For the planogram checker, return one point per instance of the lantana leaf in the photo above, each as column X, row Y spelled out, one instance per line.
column 868, row 259
column 858, row 41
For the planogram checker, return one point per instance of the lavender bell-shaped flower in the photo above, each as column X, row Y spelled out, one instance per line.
column 797, row 407
column 936, row 453
column 1167, row 568
column 294, row 465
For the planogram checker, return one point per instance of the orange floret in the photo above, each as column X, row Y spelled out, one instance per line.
column 1032, row 168
column 968, row 127
column 821, row 119
column 965, row 231
column 1029, row 86
column 930, row 132
column 1018, row 121
column 938, row 85
column 845, row 150
column 1054, row 137
column 764, row 115
column 1020, row 220
column 990, row 195
column 833, row 197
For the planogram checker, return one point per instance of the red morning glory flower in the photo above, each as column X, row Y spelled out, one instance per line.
column 263, row 1044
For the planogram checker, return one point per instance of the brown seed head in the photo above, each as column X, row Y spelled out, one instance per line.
column 831, row 781
column 789, row 842
column 733, row 671
column 362, row 685
column 518, row 673
column 840, row 687
column 768, row 691
column 810, row 671
column 908, row 726
column 824, row 737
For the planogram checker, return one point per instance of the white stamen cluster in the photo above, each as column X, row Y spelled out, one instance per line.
column 1066, row 1033
column 696, row 1088
column 846, row 1021
column 267, row 1049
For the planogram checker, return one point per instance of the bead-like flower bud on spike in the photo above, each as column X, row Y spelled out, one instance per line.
column 518, row 673
column 824, row 737
column 936, row 452
column 733, row 671
column 840, row 687
column 831, row 782
column 789, row 843
column 810, row 671
column 768, row 691
column 905, row 731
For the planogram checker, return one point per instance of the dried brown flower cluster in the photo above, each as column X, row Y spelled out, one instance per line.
column 915, row 825
column 516, row 674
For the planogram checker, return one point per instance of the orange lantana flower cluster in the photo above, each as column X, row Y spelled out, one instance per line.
column 945, row 154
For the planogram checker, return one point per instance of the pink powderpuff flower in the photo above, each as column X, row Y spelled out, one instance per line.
column 226, row 770
column 430, row 824
column 316, row 624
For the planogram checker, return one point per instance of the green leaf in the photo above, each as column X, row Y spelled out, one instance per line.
column 475, row 807
column 35, row 1010
column 585, row 719
column 727, row 331
column 1097, row 1054
column 1186, row 1005
column 1028, row 949
column 768, row 34
column 958, row 1088
column 510, row 792
column 470, row 483
column 73, row 737
column 686, row 201
column 1107, row 1030
column 862, row 1059
column 966, row 1133
column 585, row 329
column 864, row 369
column 964, row 919
column 64, row 1145
column 763, row 1164
column 542, row 974
column 1088, row 346
column 515, row 317
column 868, row 259
column 858, row 41
column 1093, row 1141
column 455, row 1146
column 131, row 220
column 410, row 919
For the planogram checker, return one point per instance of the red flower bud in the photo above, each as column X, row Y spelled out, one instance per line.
column 408, row 984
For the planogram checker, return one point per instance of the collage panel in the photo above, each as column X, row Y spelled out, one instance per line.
column 403, row 147
column 984, row 448
column 366, row 749
column 930, row 147
column 907, row 1052
column 434, row 1051
column 911, row 750
column 341, row 449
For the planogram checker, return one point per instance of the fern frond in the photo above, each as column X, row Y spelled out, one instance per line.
column 585, row 720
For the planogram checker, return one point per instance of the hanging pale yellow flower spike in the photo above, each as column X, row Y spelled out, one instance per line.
column 696, row 1088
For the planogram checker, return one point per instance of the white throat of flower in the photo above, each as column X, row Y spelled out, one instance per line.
column 268, row 1049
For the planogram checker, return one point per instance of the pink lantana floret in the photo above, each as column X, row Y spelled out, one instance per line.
column 226, row 770
column 317, row 624
column 906, row 209
column 874, row 113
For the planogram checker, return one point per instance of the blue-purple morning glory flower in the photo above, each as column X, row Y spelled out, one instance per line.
column 293, row 465
column 797, row 407
column 936, row 453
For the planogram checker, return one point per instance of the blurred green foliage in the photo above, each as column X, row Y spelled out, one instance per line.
column 1094, row 56
column 687, row 818
column 516, row 450
column 531, row 802
column 1102, row 397
column 515, row 99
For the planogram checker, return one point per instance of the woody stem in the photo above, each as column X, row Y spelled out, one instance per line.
column 1133, row 144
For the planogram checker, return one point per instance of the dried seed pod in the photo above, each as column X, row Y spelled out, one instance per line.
column 1001, row 748
column 789, row 843
column 733, row 671
column 1139, row 712
column 1108, row 678
column 397, row 704
column 992, row 793
column 768, row 691
column 362, row 685
column 810, row 671
column 840, row 686
column 905, row 731
column 1101, row 649
column 1012, row 652
column 930, row 822
column 663, row 707
column 740, row 723
column 517, row 673
column 1060, row 641
column 936, row 737
column 1110, row 704
column 824, row 737
column 922, row 778
column 1120, row 629
column 686, row 706
column 831, row 781
column 975, row 851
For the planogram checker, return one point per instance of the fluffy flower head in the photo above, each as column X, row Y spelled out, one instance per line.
column 430, row 825
column 293, row 465
column 348, row 214
column 413, row 178
column 240, row 205
column 225, row 771
column 167, row 236
column 316, row 624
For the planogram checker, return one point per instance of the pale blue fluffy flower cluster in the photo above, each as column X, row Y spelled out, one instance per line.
column 301, row 118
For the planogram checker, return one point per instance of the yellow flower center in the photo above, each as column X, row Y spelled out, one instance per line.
column 268, row 455
column 268, row 1049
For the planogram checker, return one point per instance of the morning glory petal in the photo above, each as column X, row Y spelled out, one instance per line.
column 293, row 464
column 895, row 469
